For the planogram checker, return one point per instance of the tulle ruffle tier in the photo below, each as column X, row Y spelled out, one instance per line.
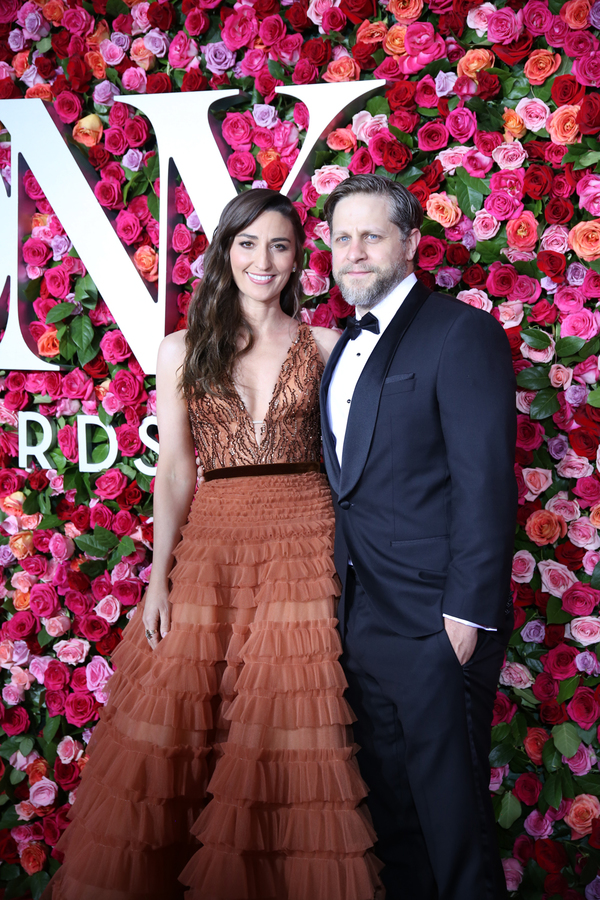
column 245, row 690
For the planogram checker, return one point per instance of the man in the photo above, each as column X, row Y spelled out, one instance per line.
column 418, row 406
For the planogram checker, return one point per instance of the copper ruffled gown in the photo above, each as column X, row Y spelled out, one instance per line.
column 234, row 731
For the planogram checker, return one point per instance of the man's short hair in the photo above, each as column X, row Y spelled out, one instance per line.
column 405, row 210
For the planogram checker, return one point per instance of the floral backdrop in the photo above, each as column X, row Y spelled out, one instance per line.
column 490, row 116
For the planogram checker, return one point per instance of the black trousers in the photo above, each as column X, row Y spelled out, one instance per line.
column 424, row 731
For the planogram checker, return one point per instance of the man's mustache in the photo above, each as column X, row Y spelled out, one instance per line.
column 345, row 270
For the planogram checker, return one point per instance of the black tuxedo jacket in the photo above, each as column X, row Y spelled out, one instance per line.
column 426, row 496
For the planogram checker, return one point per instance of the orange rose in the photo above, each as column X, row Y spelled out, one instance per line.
column 444, row 208
column 342, row 140
column 534, row 744
column 100, row 33
column 575, row 13
column 146, row 262
column 545, row 527
column 53, row 11
column 513, row 123
column 405, row 11
column 474, row 61
column 266, row 156
column 20, row 62
column 393, row 43
column 39, row 220
column 584, row 240
column 521, row 233
column 562, row 125
column 343, row 69
column 21, row 600
column 32, row 521
column 21, row 544
column 595, row 516
column 48, row 344
column 584, row 810
column 40, row 91
column 371, row 32
column 140, row 55
column 95, row 61
column 37, row 770
column 33, row 858
column 88, row 131
column 13, row 504
column 540, row 66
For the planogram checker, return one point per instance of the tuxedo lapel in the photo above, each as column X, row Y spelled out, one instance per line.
column 365, row 401
column 331, row 461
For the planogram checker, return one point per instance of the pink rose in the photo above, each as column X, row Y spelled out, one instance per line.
column 61, row 547
column 475, row 297
column 516, row 675
column 537, row 825
column 509, row 314
column 585, row 630
column 57, row 625
column 587, row 490
column 582, row 761
column 538, row 356
column 38, row 666
column 313, row 284
column 509, row 156
column 43, row 792
column 433, row 136
column 115, row 348
column 534, row 113
column 573, row 466
column 327, row 178
column 485, row 225
column 110, row 484
column 237, row 130
column 562, row 506
column 556, row 577
column 580, row 599
column 504, row 26
column 241, row 165
column 97, row 673
column 108, row 608
column 80, row 709
column 422, row 46
column 69, row 750
column 461, row 123
column 523, row 566
column 497, row 776
column 583, row 534
column 12, row 694
column 513, row 873
column 537, row 481
column 43, row 600
column 182, row 51
column 135, row 79
column 73, row 651
column 476, row 164
column 584, row 324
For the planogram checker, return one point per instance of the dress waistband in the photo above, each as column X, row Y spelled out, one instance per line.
column 266, row 469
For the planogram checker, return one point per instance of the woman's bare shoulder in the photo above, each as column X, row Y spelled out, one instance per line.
column 325, row 339
column 172, row 349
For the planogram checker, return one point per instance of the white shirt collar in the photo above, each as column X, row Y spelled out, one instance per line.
column 387, row 308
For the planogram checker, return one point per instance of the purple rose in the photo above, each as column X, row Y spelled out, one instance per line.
column 133, row 160
column 218, row 57
column 592, row 891
column 448, row 276
column 534, row 632
column 576, row 272
column 558, row 446
column 157, row 42
column 121, row 40
column 576, row 394
column 16, row 40
column 588, row 662
column 105, row 93
column 594, row 15
column 264, row 115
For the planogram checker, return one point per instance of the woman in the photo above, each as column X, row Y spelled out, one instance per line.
column 229, row 682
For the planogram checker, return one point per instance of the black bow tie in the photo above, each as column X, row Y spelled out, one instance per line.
column 369, row 322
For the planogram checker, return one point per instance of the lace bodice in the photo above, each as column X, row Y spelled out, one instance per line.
column 223, row 429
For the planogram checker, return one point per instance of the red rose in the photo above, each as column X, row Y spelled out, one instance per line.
column 543, row 313
column 194, row 80
column 402, row 95
column 317, row 51
column 431, row 252
column 570, row 555
column 550, row 855
column 504, row 710
column 160, row 15
column 560, row 662
column 552, row 264
column 419, row 190
column 128, row 591
column 584, row 709
column 296, row 16
column 594, row 838
column 566, row 91
column 528, row 788
column 60, row 43
column 475, row 276
column 38, row 480
column 584, row 442
column 545, row 687
column 362, row 53
column 57, row 675
column 514, row 52
column 158, row 83
column 109, row 643
column 9, row 852
column 16, row 720
column 98, row 156
column 554, row 633
column 338, row 305
column 358, row 10
column 320, row 262
column 536, row 150
column 79, row 74
column 488, row 85
column 537, row 181
column 22, row 625
column 275, row 173
column 396, row 156
column 93, row 628
column 67, row 775
column 97, row 368
column 558, row 211
column 552, row 713
column 451, row 23
column 110, row 484
column 588, row 117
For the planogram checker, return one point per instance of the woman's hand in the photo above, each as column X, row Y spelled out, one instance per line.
column 157, row 615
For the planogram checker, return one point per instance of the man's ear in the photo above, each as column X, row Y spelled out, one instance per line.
column 412, row 242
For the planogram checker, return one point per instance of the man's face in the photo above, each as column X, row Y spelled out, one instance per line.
column 370, row 255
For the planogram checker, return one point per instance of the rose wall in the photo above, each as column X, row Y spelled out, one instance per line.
column 490, row 117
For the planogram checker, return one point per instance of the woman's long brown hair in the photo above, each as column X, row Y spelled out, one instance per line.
column 215, row 317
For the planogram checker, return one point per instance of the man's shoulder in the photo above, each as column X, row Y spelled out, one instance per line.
column 448, row 310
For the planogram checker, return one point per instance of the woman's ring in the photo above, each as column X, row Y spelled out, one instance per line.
column 150, row 634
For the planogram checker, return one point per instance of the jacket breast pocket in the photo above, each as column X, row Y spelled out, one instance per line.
column 394, row 384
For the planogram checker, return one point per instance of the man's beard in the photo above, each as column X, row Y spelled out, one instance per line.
column 367, row 297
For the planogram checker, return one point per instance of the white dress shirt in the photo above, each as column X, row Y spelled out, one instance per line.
column 349, row 368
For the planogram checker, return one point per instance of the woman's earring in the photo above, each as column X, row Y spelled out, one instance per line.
column 294, row 269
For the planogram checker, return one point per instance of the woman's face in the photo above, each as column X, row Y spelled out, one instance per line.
column 262, row 258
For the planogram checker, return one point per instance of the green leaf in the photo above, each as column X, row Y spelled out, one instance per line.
column 568, row 346
column 593, row 398
column 50, row 521
column 555, row 614
column 10, row 872
column 98, row 543
column 510, row 810
column 536, row 338
column 470, row 201
column 126, row 546
column 51, row 727
column 566, row 739
column 502, row 754
column 552, row 790
column 589, row 159
column 9, row 818
column 378, row 105
column 116, row 8
column 59, row 312
column 401, row 136
column 551, row 757
column 82, row 332
column 527, row 696
column 567, row 688
column 153, row 205
column 533, row 379
column 38, row 883
column 478, row 184
column 544, row 404
column 489, row 250
column 276, row 69
column 44, row 638
column 152, row 169
column 92, row 567
column 520, row 88
column 44, row 45
column 588, row 784
column 17, row 776
column 408, row 177
column 31, row 504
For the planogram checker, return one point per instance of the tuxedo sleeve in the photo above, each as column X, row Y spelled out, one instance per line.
column 476, row 396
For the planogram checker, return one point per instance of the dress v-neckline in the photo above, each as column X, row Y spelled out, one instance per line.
column 276, row 388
